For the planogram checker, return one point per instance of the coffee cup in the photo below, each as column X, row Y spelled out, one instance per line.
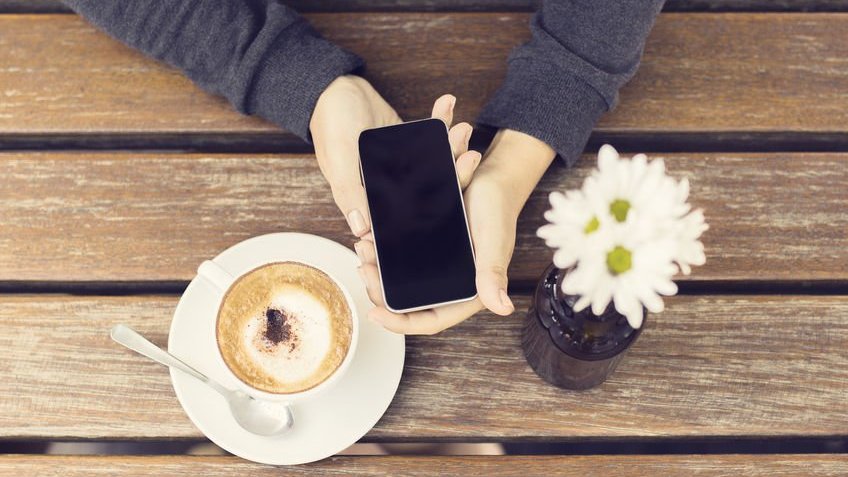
column 285, row 331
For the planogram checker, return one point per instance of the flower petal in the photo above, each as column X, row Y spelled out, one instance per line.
column 634, row 317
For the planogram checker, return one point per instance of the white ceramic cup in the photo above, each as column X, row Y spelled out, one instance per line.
column 221, row 280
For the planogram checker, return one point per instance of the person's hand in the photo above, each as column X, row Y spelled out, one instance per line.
column 348, row 106
column 493, row 199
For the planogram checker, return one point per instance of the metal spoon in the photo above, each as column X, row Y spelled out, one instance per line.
column 251, row 414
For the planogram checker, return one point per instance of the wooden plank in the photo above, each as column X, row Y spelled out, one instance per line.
column 52, row 6
column 702, row 73
column 813, row 465
column 708, row 366
column 107, row 216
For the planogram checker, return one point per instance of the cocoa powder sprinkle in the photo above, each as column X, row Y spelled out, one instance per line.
column 277, row 329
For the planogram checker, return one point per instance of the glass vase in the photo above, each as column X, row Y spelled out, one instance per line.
column 573, row 350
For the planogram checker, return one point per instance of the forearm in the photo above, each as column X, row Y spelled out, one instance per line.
column 560, row 82
column 517, row 162
column 261, row 55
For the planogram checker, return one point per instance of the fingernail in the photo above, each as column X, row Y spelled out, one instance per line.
column 477, row 158
column 468, row 134
column 506, row 301
column 356, row 222
column 357, row 247
column 453, row 101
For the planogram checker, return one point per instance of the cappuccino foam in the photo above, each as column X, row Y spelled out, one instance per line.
column 284, row 327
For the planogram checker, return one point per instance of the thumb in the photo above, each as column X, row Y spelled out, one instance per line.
column 493, row 253
column 350, row 198
column 339, row 163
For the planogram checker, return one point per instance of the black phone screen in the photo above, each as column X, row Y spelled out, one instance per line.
column 417, row 217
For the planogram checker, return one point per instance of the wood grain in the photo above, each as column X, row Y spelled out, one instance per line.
column 708, row 366
column 812, row 465
column 702, row 73
column 104, row 216
column 27, row 6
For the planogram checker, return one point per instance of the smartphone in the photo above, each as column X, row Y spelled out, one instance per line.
column 424, row 250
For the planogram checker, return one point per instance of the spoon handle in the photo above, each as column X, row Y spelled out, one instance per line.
column 131, row 339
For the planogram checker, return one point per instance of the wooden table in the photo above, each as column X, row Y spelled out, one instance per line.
column 119, row 177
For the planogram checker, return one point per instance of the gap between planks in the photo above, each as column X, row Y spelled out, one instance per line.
column 516, row 287
column 563, row 447
column 285, row 143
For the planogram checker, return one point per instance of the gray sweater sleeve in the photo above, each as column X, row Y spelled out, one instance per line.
column 560, row 82
column 261, row 55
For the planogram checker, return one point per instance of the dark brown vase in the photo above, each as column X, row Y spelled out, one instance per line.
column 572, row 350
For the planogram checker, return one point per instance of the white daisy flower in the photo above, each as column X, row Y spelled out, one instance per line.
column 626, row 232
column 690, row 250
column 635, row 189
column 630, row 271
column 572, row 223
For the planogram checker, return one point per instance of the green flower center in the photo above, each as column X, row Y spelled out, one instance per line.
column 619, row 209
column 619, row 260
column 592, row 226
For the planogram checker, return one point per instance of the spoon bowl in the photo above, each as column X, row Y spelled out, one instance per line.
column 259, row 417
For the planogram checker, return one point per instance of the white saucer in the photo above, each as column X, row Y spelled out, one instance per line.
column 324, row 425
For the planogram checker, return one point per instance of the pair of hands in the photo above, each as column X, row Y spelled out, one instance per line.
column 495, row 190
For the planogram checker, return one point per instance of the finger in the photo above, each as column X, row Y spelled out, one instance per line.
column 443, row 108
column 350, row 198
column 493, row 234
column 492, row 256
column 459, row 136
column 466, row 164
column 492, row 290
column 371, row 276
column 366, row 252
column 491, row 283
column 426, row 322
